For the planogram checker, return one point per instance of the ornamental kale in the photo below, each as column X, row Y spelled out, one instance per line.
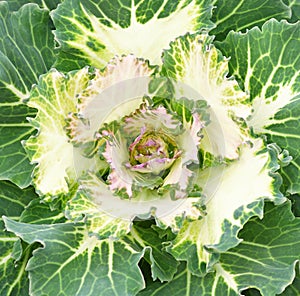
column 149, row 147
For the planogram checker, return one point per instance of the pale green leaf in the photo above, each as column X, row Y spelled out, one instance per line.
column 73, row 263
column 100, row 222
column 267, row 64
column 93, row 31
column 97, row 202
column 26, row 51
column 113, row 93
column 234, row 194
column 200, row 71
column 54, row 97
column 240, row 15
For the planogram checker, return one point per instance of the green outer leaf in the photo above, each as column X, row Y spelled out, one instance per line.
column 37, row 212
column 184, row 283
column 163, row 264
column 93, row 31
column 47, row 4
column 266, row 257
column 239, row 15
column 73, row 263
column 26, row 51
column 294, row 288
column 27, row 42
column 268, row 66
column 295, row 6
column 296, row 204
column 14, row 128
column 13, row 278
column 234, row 194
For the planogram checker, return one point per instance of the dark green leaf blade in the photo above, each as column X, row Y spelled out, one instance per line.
column 184, row 283
column 14, row 128
column 270, row 249
column 267, row 64
column 26, row 51
column 74, row 263
column 13, row 278
column 38, row 212
column 239, row 15
column 294, row 288
column 295, row 6
column 48, row 4
column 163, row 264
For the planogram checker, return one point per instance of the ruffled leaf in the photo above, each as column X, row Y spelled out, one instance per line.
column 144, row 236
column 54, row 97
column 97, row 199
column 195, row 62
column 123, row 82
column 99, row 222
column 267, row 63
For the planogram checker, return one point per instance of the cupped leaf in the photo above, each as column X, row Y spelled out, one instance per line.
column 112, row 94
column 265, row 259
column 97, row 202
column 181, row 177
column 54, row 97
column 92, row 32
column 198, row 65
column 13, row 277
column 234, row 194
column 267, row 64
column 26, row 51
column 241, row 15
column 73, row 263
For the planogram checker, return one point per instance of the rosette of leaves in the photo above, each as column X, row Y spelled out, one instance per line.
column 182, row 143
column 130, row 154
column 131, row 144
